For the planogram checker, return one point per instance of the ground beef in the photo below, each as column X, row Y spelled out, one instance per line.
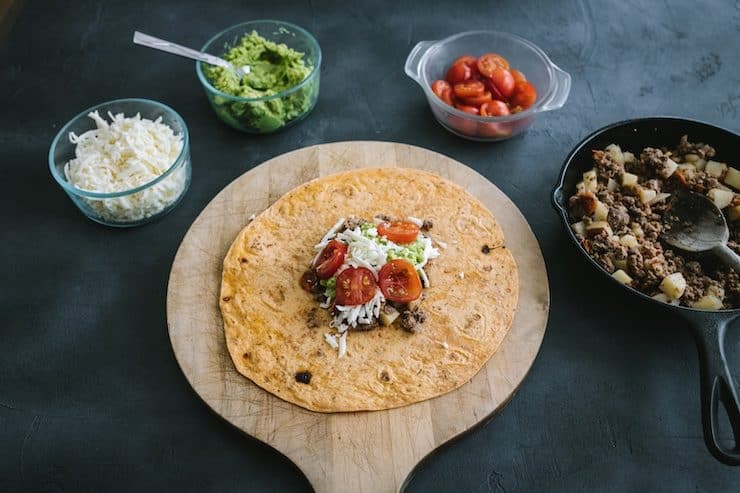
column 426, row 225
column 363, row 327
column 383, row 217
column 353, row 222
column 411, row 319
column 311, row 318
column 650, row 261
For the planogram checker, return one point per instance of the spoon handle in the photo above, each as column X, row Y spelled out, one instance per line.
column 727, row 256
column 163, row 45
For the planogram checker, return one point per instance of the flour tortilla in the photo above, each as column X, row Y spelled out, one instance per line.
column 265, row 310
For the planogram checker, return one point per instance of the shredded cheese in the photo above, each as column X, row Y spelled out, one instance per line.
column 125, row 154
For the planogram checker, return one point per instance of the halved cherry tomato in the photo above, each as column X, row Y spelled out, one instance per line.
column 504, row 81
column 524, row 95
column 399, row 231
column 467, row 109
column 355, row 286
column 399, row 281
column 478, row 100
column 495, row 94
column 330, row 259
column 439, row 86
column 471, row 62
column 469, row 89
column 448, row 96
column 494, row 129
column 464, row 125
column 491, row 61
column 494, row 108
column 458, row 72
column 518, row 76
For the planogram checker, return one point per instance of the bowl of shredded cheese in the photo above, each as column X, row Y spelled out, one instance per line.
column 124, row 162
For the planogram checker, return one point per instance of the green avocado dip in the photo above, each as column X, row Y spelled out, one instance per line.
column 274, row 68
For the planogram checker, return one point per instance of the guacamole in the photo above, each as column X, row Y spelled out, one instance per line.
column 274, row 68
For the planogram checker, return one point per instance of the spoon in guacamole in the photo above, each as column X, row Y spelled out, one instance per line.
column 176, row 49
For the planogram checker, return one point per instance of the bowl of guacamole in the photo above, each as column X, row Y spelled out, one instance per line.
column 282, row 85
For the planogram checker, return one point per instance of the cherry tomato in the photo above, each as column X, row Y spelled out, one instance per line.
column 309, row 281
column 330, row 259
column 399, row 231
column 524, row 95
column 469, row 89
column 464, row 125
column 439, row 86
column 518, row 76
column 504, row 82
column 399, row 281
column 459, row 72
column 491, row 61
column 448, row 96
column 467, row 109
column 494, row 129
column 494, row 108
column 495, row 94
column 478, row 100
column 471, row 62
column 355, row 286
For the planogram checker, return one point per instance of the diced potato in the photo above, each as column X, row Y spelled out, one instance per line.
column 732, row 178
column 721, row 198
column 629, row 241
column 708, row 302
column 716, row 290
column 612, row 185
column 579, row 228
column 669, row 167
column 629, row 180
column 700, row 164
column 622, row 277
column 646, row 194
column 687, row 170
column 601, row 211
column 620, row 263
column 587, row 201
column 691, row 158
column 629, row 158
column 673, row 285
column 598, row 227
column 590, row 181
column 388, row 315
column 665, row 299
column 715, row 169
column 637, row 230
column 734, row 212
column 616, row 153
column 580, row 187
column 660, row 198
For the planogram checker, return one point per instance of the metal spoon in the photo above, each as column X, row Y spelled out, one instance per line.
column 162, row 45
column 699, row 226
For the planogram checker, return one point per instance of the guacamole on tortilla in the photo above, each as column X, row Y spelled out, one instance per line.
column 274, row 68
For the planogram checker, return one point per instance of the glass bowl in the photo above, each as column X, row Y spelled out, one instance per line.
column 429, row 61
column 269, row 113
column 138, row 205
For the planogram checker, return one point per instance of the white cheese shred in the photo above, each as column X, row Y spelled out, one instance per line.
column 342, row 345
column 331, row 340
column 416, row 221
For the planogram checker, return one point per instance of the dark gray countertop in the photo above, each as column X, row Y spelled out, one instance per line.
column 91, row 397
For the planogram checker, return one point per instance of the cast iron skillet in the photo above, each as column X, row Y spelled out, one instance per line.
column 709, row 327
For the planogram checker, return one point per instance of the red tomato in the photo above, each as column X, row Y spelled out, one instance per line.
column 471, row 62
column 478, row 100
column 309, row 281
column 494, row 108
column 330, row 259
column 518, row 76
column 464, row 125
column 467, row 109
column 524, row 95
column 355, row 286
column 491, row 61
column 448, row 97
column 504, row 82
column 469, row 89
column 457, row 73
column 399, row 231
column 493, row 129
column 495, row 94
column 439, row 86
column 399, row 281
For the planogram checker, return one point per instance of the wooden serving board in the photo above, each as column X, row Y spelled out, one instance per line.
column 343, row 452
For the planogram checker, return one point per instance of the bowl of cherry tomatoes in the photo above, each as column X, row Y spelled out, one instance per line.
column 487, row 85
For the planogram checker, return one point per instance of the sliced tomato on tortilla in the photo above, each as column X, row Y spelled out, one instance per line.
column 399, row 281
column 355, row 286
column 330, row 259
column 399, row 231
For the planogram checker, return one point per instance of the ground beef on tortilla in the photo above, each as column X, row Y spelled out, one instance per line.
column 620, row 224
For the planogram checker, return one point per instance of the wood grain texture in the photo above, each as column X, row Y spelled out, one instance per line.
column 364, row 451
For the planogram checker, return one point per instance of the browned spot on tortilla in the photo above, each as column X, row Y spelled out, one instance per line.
column 226, row 298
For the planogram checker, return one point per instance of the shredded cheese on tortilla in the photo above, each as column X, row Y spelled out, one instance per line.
column 122, row 155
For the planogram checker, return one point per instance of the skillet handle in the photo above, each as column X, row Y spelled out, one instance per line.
column 718, row 386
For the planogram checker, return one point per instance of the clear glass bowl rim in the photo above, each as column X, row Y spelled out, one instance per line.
column 433, row 99
column 63, row 133
column 206, row 83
